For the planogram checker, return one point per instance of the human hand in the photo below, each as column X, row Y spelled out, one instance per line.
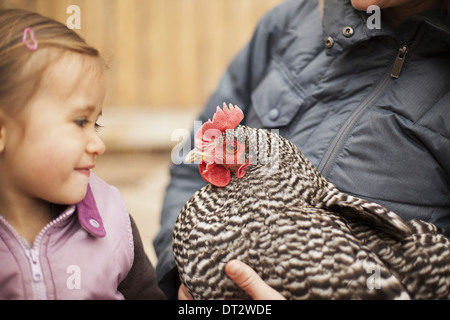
column 183, row 293
column 249, row 281
column 246, row 278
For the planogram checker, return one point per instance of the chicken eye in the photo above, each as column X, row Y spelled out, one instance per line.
column 231, row 148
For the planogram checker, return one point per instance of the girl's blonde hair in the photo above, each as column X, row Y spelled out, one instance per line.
column 21, row 69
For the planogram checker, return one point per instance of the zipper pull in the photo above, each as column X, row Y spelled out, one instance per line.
column 398, row 64
column 33, row 257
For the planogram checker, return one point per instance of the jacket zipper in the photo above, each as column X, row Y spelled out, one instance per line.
column 33, row 254
column 338, row 142
column 398, row 64
column 39, row 289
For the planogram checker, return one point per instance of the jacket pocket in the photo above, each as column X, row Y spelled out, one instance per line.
column 276, row 99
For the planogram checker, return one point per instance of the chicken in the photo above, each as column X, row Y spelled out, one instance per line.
column 269, row 207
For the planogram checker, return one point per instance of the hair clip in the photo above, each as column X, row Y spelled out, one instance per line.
column 30, row 41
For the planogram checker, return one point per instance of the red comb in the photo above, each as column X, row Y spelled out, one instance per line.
column 228, row 118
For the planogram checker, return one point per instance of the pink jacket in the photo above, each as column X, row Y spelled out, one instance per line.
column 79, row 255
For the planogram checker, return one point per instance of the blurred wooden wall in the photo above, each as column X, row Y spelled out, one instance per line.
column 162, row 53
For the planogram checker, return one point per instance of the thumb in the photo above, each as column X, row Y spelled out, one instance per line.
column 183, row 293
column 249, row 281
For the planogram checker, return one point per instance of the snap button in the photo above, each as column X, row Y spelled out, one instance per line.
column 329, row 42
column 348, row 31
column 94, row 223
column 274, row 114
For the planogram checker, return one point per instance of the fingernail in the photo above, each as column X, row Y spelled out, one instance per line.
column 234, row 268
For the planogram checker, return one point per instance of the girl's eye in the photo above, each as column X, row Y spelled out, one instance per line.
column 82, row 122
column 97, row 126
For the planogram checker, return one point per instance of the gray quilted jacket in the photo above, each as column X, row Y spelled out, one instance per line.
column 369, row 107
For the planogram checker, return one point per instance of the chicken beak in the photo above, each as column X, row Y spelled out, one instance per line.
column 196, row 156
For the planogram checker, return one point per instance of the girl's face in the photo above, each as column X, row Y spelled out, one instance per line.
column 52, row 144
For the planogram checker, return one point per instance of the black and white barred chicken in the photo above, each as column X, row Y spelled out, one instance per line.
column 269, row 207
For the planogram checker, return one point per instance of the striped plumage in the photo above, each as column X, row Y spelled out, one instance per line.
column 302, row 235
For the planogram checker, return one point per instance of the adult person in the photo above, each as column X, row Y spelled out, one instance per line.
column 366, row 101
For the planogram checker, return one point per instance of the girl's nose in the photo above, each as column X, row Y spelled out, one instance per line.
column 96, row 145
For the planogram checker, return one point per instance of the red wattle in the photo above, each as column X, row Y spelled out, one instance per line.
column 217, row 175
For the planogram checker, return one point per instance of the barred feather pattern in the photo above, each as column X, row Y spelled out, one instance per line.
column 304, row 237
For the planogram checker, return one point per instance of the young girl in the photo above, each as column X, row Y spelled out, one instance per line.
column 64, row 233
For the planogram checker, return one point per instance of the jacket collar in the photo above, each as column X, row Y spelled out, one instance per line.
column 437, row 20
column 89, row 216
column 340, row 14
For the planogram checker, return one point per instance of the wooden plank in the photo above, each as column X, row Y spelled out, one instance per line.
column 161, row 52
